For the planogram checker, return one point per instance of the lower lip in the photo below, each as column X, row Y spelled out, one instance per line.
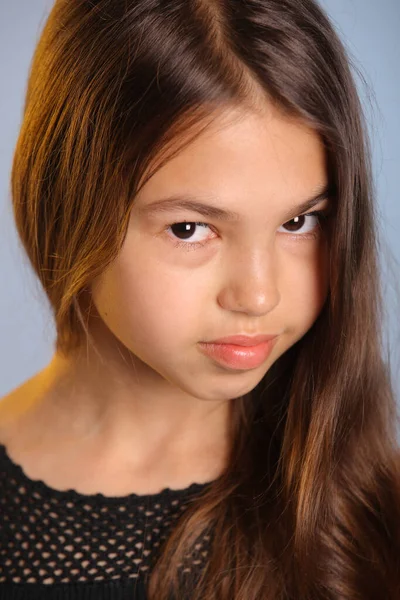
column 239, row 357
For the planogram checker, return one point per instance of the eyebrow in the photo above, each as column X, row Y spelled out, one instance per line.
column 192, row 203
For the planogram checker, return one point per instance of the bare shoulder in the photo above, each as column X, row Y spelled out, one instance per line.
column 17, row 404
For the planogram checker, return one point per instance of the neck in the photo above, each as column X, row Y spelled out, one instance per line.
column 116, row 406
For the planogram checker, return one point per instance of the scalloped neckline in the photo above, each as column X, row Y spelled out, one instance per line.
column 71, row 494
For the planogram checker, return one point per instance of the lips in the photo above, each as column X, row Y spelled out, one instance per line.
column 244, row 340
column 246, row 355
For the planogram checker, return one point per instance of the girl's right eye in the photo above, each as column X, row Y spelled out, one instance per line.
column 186, row 229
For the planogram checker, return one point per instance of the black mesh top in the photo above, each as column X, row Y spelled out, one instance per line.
column 62, row 545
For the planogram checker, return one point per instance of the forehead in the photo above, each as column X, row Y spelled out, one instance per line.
column 240, row 161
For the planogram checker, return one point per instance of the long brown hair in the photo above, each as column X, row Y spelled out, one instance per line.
column 309, row 504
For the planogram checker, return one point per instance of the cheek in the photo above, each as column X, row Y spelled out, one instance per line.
column 307, row 286
column 143, row 303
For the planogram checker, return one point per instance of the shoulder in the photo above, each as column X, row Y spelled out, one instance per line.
column 16, row 406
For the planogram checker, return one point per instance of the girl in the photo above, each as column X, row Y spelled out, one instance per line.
column 192, row 185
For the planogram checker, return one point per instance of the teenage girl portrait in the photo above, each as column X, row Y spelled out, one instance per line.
column 192, row 185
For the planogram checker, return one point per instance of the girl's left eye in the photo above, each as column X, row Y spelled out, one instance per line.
column 186, row 229
column 310, row 232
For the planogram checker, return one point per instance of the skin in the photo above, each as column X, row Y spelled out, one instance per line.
column 151, row 410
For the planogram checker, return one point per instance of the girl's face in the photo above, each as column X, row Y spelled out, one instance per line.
column 261, row 271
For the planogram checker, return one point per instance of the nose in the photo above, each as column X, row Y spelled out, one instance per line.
column 251, row 284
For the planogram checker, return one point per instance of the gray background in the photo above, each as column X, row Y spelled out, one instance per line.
column 369, row 30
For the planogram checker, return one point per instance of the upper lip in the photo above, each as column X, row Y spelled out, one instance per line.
column 244, row 340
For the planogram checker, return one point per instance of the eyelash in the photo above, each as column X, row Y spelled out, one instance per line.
column 322, row 215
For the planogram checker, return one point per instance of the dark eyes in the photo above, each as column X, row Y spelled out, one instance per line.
column 303, row 227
